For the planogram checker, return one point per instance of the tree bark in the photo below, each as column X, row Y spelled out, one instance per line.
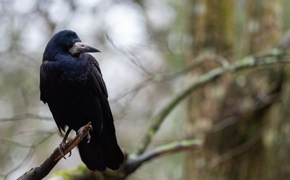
column 211, row 25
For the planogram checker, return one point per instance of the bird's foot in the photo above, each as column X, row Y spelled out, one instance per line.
column 88, row 137
column 61, row 147
column 80, row 133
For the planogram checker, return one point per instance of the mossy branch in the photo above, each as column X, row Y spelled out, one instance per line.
column 135, row 162
column 274, row 56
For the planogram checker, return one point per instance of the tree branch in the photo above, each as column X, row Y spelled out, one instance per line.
column 25, row 116
column 135, row 162
column 275, row 56
column 40, row 172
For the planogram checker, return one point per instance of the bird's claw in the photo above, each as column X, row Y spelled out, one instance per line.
column 69, row 154
column 88, row 135
column 80, row 133
column 61, row 147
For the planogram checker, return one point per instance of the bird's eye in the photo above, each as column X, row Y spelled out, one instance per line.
column 70, row 46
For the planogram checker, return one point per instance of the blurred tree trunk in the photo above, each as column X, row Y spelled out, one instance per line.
column 244, row 147
column 279, row 137
column 211, row 24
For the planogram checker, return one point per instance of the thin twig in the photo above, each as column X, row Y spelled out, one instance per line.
column 14, row 143
column 131, row 56
column 153, row 78
column 25, row 116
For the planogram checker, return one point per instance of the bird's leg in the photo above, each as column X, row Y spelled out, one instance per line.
column 63, row 142
column 80, row 133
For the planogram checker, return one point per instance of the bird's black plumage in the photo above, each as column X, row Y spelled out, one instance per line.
column 71, row 84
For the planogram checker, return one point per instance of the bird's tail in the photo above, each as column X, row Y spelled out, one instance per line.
column 101, row 152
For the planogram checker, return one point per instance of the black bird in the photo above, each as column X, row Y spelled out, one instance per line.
column 71, row 84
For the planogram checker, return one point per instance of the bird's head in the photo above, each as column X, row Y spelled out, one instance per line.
column 67, row 41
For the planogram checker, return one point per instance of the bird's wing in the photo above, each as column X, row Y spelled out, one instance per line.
column 100, row 90
column 43, row 81
column 45, row 73
column 98, row 82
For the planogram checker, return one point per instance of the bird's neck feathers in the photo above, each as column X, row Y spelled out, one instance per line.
column 59, row 45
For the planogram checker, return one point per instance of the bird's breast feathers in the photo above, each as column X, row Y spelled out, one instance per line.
column 73, row 69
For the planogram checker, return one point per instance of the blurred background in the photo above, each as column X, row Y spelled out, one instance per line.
column 147, row 47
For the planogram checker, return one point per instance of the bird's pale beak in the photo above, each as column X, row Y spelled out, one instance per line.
column 80, row 47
